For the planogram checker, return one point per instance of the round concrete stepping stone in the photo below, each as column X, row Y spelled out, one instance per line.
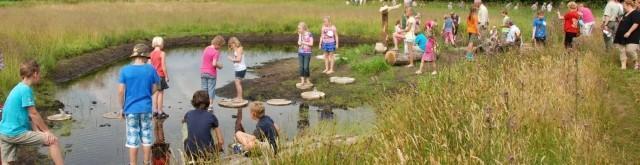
column 59, row 117
column 312, row 95
column 279, row 102
column 342, row 80
column 111, row 115
column 303, row 86
column 229, row 103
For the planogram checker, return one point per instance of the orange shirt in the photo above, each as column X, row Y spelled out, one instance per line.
column 472, row 24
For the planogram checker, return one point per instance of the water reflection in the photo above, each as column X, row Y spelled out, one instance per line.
column 303, row 115
column 160, row 152
column 326, row 113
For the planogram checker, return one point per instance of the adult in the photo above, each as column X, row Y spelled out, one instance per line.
column 21, row 123
column 587, row 19
column 483, row 16
column 571, row 30
column 409, row 36
column 612, row 14
column 627, row 35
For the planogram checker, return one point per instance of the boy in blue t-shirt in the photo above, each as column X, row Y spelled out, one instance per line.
column 539, row 29
column 200, row 122
column 21, row 123
column 137, row 83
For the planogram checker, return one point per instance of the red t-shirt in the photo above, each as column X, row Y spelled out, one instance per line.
column 156, row 61
column 569, row 22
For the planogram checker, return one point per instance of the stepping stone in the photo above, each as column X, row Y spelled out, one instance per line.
column 230, row 104
column 312, row 95
column 111, row 115
column 342, row 80
column 59, row 117
column 279, row 102
column 303, row 86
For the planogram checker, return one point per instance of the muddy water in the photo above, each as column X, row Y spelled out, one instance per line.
column 96, row 140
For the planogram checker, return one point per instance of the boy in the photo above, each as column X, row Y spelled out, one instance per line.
column 137, row 83
column 200, row 122
column 264, row 137
column 21, row 123
column 539, row 29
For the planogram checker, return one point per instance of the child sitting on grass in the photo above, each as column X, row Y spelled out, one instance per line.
column 239, row 66
column 265, row 136
column 200, row 122
column 429, row 55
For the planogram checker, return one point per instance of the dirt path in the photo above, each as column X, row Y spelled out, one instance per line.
column 70, row 69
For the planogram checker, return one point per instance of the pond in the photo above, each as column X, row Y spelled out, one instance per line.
column 96, row 140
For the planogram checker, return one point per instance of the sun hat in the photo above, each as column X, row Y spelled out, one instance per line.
column 140, row 50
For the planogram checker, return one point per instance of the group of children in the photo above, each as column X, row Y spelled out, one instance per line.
column 329, row 42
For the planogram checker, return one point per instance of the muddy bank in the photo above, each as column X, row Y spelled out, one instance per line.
column 70, row 69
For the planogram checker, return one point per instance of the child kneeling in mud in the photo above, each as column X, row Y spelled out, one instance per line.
column 264, row 138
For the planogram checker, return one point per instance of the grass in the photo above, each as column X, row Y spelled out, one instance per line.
column 535, row 107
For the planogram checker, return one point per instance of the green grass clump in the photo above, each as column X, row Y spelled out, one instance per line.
column 372, row 66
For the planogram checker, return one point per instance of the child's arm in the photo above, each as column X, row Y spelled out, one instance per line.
column 337, row 39
column 277, row 129
column 164, row 66
column 37, row 120
column 320, row 41
column 219, row 138
column 310, row 42
column 559, row 15
column 121, row 99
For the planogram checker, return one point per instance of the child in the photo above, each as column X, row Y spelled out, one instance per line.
column 410, row 36
column 199, row 122
column 238, row 65
column 539, row 29
column 456, row 23
column 447, row 30
column 209, row 68
column 429, row 55
column 472, row 29
column 158, row 61
column 329, row 42
column 265, row 135
column 21, row 123
column 505, row 19
column 398, row 35
column 305, row 42
column 138, row 81
column 429, row 26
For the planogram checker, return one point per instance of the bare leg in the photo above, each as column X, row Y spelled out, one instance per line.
column 308, row 80
column 420, row 69
column 56, row 154
column 238, row 89
column 147, row 154
column 301, row 80
column 326, row 62
column 332, row 61
column 247, row 140
column 133, row 156
column 160, row 101
column 155, row 102
column 410, row 52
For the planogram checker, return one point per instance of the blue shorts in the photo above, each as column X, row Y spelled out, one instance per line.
column 139, row 130
column 241, row 74
column 329, row 47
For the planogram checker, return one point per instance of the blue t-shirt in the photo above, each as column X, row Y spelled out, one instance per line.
column 199, row 125
column 448, row 25
column 138, row 81
column 15, row 116
column 541, row 27
column 421, row 41
column 266, row 131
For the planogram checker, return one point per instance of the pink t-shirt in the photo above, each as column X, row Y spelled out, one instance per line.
column 208, row 55
column 329, row 34
column 587, row 16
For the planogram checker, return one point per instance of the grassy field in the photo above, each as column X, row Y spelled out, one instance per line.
column 535, row 107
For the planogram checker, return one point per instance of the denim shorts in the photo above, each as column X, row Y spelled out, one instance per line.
column 329, row 47
column 139, row 130
column 241, row 74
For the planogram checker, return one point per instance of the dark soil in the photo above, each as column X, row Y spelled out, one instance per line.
column 70, row 69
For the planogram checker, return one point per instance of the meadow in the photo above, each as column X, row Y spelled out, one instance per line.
column 542, row 106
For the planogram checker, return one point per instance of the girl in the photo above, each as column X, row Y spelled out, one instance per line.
column 329, row 42
column 429, row 55
column 398, row 35
column 472, row 30
column 571, row 29
column 447, row 30
column 210, row 66
column 409, row 36
column 239, row 66
column 159, row 63
column 305, row 42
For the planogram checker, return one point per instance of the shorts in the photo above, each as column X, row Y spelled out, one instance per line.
column 568, row 39
column 429, row 57
column 162, row 85
column 542, row 40
column 329, row 47
column 139, row 130
column 473, row 38
column 241, row 74
column 9, row 145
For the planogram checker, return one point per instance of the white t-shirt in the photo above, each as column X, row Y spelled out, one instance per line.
column 512, row 35
column 239, row 66
column 411, row 35
column 483, row 15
